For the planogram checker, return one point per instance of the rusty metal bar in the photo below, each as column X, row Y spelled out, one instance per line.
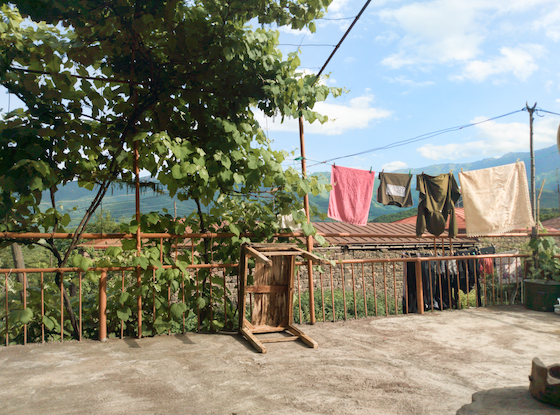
column 225, row 297
column 43, row 308
column 458, row 296
column 467, row 288
column 476, row 279
column 332, row 295
column 322, row 295
column 440, row 287
column 395, row 290
column 61, row 307
column 122, row 291
column 431, row 285
column 183, row 298
column 374, row 288
column 154, row 301
column 354, row 291
column 501, row 289
column 197, row 306
column 299, row 297
column 103, row 306
column 343, row 290
column 385, row 290
column 80, row 303
column 211, row 298
column 405, row 286
column 7, row 309
column 364, row 289
column 25, row 306
column 419, row 290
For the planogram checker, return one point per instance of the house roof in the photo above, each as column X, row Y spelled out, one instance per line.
column 378, row 229
column 553, row 223
column 461, row 223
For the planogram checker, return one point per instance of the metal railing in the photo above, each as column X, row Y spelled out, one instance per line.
column 352, row 288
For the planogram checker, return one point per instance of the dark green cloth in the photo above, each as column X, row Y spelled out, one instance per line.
column 394, row 189
column 438, row 195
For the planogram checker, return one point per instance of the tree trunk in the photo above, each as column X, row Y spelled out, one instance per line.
column 19, row 262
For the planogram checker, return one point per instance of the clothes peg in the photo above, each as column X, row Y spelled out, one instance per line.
column 461, row 170
column 370, row 169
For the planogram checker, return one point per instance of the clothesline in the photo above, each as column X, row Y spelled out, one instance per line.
column 496, row 199
column 418, row 138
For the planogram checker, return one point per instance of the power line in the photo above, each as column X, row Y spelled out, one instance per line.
column 415, row 139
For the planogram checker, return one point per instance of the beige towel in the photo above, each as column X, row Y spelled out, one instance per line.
column 496, row 200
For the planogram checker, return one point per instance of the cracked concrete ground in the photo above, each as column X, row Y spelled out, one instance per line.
column 414, row 364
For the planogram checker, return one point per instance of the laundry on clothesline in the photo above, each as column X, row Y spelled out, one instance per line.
column 438, row 195
column 351, row 194
column 496, row 200
column 394, row 189
column 288, row 222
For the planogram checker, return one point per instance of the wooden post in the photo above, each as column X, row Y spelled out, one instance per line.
column 103, row 306
column 532, row 151
column 309, row 238
column 419, row 290
column 138, row 242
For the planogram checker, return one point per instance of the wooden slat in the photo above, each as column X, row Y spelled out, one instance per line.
column 282, row 253
column 267, row 329
column 274, row 247
column 258, row 256
column 280, row 339
column 304, row 337
column 309, row 255
column 253, row 340
column 263, row 289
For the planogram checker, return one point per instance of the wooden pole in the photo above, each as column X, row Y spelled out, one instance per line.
column 103, row 306
column 533, row 186
column 138, row 241
column 309, row 238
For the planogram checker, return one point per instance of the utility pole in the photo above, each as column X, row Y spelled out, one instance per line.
column 533, row 188
column 309, row 239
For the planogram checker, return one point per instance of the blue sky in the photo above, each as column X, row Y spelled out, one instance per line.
column 416, row 67
column 412, row 68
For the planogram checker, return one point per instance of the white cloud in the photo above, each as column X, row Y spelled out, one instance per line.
column 338, row 5
column 408, row 82
column 550, row 23
column 394, row 165
column 495, row 139
column 349, row 60
column 342, row 118
column 456, row 31
column 435, row 32
column 519, row 61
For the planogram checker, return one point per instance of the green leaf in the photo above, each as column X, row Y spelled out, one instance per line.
column 123, row 297
column 21, row 316
column 49, row 322
column 124, row 314
column 308, row 229
column 177, row 309
column 201, row 302
column 234, row 229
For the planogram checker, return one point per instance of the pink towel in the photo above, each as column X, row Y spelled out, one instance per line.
column 351, row 195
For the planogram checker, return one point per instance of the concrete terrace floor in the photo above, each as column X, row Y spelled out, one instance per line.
column 415, row 364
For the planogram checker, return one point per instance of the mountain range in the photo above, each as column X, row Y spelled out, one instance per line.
column 120, row 201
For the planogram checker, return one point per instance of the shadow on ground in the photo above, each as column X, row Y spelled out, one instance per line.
column 507, row 401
